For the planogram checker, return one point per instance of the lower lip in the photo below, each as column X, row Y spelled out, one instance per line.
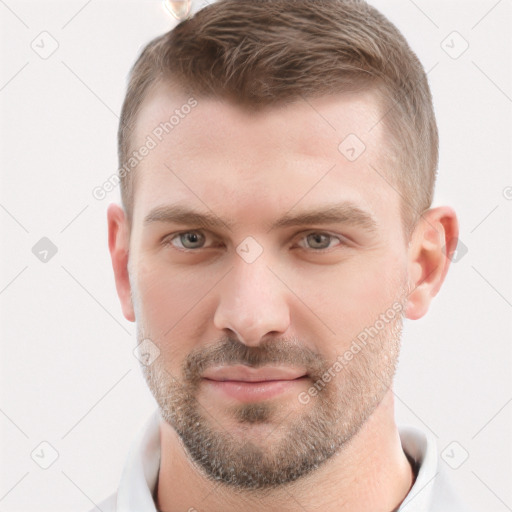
column 253, row 391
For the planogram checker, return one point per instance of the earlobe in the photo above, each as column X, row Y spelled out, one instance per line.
column 433, row 242
column 118, row 244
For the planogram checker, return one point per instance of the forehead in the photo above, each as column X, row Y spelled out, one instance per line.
column 328, row 116
column 205, row 150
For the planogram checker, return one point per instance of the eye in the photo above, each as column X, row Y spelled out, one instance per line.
column 187, row 240
column 320, row 241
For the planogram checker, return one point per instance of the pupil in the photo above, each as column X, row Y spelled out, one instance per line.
column 317, row 239
column 190, row 239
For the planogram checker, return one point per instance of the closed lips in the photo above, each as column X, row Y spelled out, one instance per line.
column 243, row 373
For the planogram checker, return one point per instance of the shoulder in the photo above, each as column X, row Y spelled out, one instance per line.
column 107, row 505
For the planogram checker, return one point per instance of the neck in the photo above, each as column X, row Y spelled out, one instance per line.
column 370, row 474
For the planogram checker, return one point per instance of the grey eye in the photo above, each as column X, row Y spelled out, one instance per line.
column 192, row 240
column 318, row 240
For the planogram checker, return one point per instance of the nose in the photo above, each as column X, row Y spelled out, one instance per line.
column 252, row 303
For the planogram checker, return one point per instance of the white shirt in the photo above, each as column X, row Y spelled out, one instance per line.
column 431, row 491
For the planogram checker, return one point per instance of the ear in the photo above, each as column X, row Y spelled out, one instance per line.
column 119, row 245
column 433, row 244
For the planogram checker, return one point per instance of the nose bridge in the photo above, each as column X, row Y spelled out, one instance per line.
column 252, row 302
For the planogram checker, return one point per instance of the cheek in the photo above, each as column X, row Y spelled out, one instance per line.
column 171, row 305
column 352, row 295
column 166, row 293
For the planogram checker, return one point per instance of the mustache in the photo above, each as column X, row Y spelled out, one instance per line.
column 276, row 351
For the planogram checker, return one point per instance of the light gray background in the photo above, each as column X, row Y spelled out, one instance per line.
column 69, row 376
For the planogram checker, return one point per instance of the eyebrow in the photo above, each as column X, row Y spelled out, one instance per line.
column 340, row 213
column 183, row 215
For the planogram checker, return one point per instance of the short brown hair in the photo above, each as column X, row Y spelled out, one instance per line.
column 260, row 53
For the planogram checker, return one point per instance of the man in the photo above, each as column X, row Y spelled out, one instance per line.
column 277, row 166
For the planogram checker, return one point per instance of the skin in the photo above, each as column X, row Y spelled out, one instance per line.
column 294, row 302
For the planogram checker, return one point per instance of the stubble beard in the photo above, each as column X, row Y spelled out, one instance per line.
column 299, row 443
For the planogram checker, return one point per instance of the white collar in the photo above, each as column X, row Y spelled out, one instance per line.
column 422, row 448
column 140, row 474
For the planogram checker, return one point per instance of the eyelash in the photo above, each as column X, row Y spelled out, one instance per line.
column 168, row 240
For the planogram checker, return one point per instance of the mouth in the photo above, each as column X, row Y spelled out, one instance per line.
column 243, row 373
column 252, row 384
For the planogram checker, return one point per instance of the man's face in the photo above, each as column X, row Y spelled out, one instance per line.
column 269, row 285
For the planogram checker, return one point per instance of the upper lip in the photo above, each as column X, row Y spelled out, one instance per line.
column 247, row 374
